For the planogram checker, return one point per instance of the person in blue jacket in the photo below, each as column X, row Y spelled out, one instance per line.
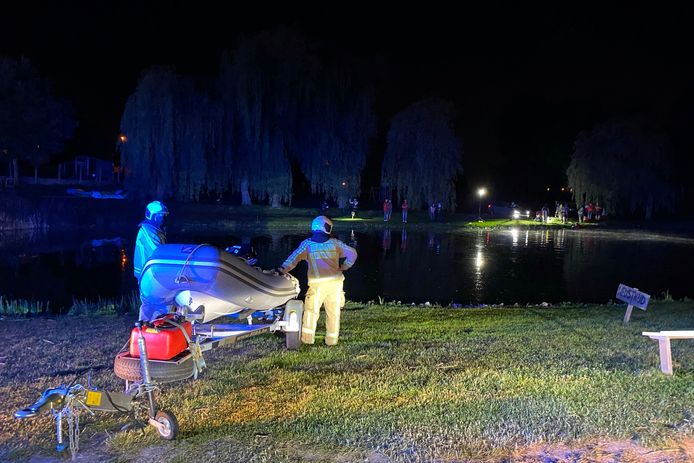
column 150, row 236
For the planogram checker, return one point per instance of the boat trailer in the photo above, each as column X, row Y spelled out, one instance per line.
column 143, row 376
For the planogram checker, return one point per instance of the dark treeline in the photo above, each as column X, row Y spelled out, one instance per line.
column 277, row 115
column 274, row 105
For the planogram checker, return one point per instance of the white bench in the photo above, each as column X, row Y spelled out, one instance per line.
column 664, row 338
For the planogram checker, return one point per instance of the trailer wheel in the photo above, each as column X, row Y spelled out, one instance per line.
column 293, row 312
column 128, row 368
column 170, row 425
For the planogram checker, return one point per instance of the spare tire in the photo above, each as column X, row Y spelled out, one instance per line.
column 162, row 371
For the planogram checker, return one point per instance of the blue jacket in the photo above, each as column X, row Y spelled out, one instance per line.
column 148, row 239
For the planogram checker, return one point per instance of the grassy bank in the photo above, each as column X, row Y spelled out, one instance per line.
column 105, row 306
column 188, row 217
column 406, row 383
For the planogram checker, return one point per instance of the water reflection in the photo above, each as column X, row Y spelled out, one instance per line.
column 468, row 268
column 386, row 241
column 479, row 262
column 514, row 235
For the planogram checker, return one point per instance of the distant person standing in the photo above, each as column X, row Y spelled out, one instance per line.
column 565, row 213
column 385, row 210
column 432, row 211
column 581, row 212
column 589, row 210
column 324, row 256
column 353, row 203
column 545, row 214
column 404, row 207
column 439, row 210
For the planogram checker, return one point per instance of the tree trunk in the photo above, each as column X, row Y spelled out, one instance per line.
column 245, row 195
column 649, row 208
column 341, row 202
column 275, row 201
column 36, row 175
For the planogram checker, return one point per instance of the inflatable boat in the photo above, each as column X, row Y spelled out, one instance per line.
column 209, row 282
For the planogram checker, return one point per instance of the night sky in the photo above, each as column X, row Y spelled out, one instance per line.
column 525, row 79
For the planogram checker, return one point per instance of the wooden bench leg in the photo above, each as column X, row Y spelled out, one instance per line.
column 665, row 356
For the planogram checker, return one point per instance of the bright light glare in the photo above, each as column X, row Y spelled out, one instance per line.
column 481, row 192
column 516, row 214
column 479, row 260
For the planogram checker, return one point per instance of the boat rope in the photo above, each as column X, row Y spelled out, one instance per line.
column 195, row 350
column 185, row 264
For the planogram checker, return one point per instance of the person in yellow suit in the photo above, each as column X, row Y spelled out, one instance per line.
column 327, row 258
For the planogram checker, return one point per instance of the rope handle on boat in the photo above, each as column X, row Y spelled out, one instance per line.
column 180, row 275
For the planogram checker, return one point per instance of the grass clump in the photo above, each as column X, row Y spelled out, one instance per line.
column 22, row 307
column 106, row 306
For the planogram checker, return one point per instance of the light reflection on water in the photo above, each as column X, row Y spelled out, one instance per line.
column 470, row 267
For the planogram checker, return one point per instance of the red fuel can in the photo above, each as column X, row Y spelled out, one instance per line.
column 164, row 340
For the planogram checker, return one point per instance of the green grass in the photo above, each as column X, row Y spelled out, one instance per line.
column 414, row 383
column 22, row 307
column 106, row 306
column 524, row 223
column 194, row 217
column 102, row 306
column 441, row 383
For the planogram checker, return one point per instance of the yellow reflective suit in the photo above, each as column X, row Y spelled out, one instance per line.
column 325, row 279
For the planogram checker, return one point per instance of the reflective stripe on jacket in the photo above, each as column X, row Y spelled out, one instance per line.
column 148, row 239
column 323, row 259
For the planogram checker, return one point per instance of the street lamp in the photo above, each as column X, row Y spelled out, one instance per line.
column 481, row 192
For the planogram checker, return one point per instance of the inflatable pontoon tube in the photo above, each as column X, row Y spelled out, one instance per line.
column 204, row 275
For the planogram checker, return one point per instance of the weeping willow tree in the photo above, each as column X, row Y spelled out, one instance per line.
column 264, row 87
column 335, row 136
column 624, row 167
column 173, row 131
column 423, row 155
column 148, row 123
column 199, row 165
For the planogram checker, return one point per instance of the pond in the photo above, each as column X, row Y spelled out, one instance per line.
column 469, row 267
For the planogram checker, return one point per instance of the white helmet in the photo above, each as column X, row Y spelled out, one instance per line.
column 154, row 208
column 322, row 224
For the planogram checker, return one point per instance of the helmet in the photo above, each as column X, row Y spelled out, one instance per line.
column 322, row 224
column 154, row 208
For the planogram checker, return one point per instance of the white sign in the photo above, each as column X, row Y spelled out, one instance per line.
column 633, row 296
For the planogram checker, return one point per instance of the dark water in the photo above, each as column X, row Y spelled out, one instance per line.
column 469, row 267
